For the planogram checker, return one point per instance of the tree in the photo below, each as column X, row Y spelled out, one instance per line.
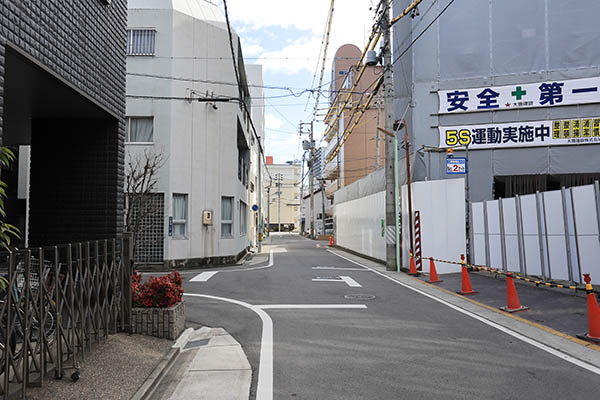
column 141, row 178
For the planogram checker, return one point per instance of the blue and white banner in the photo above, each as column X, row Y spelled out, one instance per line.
column 522, row 134
column 528, row 95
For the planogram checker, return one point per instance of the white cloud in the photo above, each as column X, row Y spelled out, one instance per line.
column 251, row 47
column 272, row 122
column 352, row 23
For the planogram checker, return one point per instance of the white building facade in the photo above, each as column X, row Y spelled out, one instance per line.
column 182, row 103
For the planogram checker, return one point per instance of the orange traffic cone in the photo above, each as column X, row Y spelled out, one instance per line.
column 512, row 299
column 330, row 240
column 433, row 276
column 413, row 268
column 593, row 334
column 466, row 282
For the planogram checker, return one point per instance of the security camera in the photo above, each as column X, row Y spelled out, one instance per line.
column 214, row 106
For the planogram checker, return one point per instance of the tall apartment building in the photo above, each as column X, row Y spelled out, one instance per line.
column 183, row 103
column 62, row 101
column 352, row 149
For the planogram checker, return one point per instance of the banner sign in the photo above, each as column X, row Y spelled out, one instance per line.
column 456, row 165
column 528, row 95
column 522, row 134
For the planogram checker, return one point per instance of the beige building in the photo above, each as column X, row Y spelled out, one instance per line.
column 283, row 196
column 353, row 150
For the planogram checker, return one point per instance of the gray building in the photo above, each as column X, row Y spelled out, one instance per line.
column 518, row 81
column 62, row 100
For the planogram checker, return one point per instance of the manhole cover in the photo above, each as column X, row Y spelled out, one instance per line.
column 359, row 297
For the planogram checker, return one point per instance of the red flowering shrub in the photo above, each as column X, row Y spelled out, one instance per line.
column 160, row 292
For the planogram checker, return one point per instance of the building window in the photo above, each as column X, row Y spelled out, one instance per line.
column 141, row 42
column 243, row 218
column 140, row 130
column 179, row 215
column 227, row 216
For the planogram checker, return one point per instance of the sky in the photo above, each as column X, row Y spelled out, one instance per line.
column 285, row 37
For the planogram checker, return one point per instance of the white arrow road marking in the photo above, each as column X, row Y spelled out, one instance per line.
column 204, row 276
column 346, row 279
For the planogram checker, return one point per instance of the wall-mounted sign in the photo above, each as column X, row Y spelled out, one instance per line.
column 522, row 134
column 170, row 226
column 456, row 165
column 527, row 95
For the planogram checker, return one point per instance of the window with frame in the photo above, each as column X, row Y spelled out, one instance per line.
column 243, row 218
column 141, row 42
column 180, row 215
column 140, row 130
column 226, row 216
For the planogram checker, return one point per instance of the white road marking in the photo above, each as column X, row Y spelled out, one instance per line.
column 264, row 386
column 203, row 276
column 342, row 269
column 345, row 279
column 279, row 250
column 493, row 324
column 309, row 306
column 350, row 282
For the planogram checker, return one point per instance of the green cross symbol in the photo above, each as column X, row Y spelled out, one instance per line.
column 519, row 93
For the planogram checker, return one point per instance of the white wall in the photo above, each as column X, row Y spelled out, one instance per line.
column 199, row 142
column 443, row 232
column 358, row 225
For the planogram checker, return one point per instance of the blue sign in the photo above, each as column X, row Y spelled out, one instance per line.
column 254, row 207
column 170, row 226
column 456, row 165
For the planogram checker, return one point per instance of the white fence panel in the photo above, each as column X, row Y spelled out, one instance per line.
column 494, row 234
column 587, row 230
column 442, row 207
column 531, row 239
column 510, row 233
column 358, row 225
column 556, row 234
column 478, row 218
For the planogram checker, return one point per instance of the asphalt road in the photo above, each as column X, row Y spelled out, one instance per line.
column 401, row 346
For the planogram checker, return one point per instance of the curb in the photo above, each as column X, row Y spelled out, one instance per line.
column 147, row 388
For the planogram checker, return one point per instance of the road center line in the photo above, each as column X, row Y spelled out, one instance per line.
column 264, row 386
column 204, row 276
column 528, row 340
column 309, row 306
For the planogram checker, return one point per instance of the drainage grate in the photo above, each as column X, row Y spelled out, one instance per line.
column 196, row 343
column 359, row 297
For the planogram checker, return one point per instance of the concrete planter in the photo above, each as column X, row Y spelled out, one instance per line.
column 159, row 322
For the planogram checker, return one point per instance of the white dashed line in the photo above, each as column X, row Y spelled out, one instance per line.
column 204, row 276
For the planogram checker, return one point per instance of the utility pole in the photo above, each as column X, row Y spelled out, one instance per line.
column 392, row 261
column 468, row 207
column 269, row 206
column 278, row 184
column 260, row 211
column 302, row 211
column 323, row 204
column 311, row 148
column 377, row 150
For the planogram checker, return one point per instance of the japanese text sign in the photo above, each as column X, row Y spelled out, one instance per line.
column 456, row 165
column 541, row 94
column 522, row 134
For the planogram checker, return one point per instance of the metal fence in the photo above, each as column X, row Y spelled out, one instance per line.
column 554, row 234
column 57, row 302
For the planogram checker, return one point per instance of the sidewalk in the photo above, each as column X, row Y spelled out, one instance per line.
column 112, row 370
column 211, row 365
column 563, row 310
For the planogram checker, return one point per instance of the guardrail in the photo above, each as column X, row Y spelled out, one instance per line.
column 56, row 302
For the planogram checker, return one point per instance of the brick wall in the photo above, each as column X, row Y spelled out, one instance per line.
column 83, row 43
